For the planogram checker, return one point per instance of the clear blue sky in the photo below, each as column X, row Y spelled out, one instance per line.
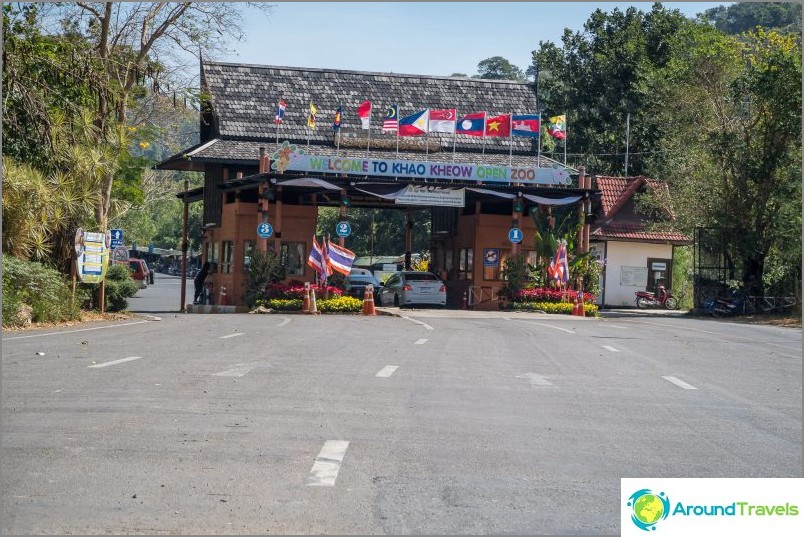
column 429, row 38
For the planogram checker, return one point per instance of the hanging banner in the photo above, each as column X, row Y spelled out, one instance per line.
column 290, row 158
column 92, row 251
column 431, row 195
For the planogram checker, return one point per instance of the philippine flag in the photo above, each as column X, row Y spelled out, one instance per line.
column 526, row 125
column 442, row 120
column 472, row 124
column 414, row 125
column 340, row 259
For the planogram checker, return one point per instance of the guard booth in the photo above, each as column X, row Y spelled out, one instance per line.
column 259, row 170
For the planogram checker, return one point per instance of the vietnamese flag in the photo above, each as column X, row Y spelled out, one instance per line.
column 499, row 125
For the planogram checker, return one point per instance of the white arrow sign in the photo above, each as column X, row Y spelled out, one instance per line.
column 535, row 380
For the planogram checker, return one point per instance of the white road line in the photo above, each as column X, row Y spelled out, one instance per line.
column 328, row 463
column 283, row 323
column 427, row 326
column 713, row 333
column 610, row 348
column 231, row 335
column 547, row 326
column 680, row 383
column 535, row 380
column 120, row 361
column 240, row 370
column 77, row 330
column 420, row 341
column 387, row 371
column 151, row 317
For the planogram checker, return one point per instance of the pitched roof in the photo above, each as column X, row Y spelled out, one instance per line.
column 244, row 100
column 635, row 231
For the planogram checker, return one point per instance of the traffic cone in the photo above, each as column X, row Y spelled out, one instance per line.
column 306, row 301
column 223, row 298
column 575, row 305
column 313, row 309
column 368, row 301
column 581, row 308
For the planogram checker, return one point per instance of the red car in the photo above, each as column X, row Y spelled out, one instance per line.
column 140, row 272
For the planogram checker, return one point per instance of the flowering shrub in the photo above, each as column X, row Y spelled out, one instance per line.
column 341, row 304
column 295, row 290
column 281, row 304
column 563, row 308
column 546, row 294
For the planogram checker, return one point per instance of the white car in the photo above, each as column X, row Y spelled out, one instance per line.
column 413, row 288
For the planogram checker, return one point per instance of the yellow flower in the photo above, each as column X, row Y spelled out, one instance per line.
column 145, row 145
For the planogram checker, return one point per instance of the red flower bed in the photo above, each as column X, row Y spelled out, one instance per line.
column 546, row 294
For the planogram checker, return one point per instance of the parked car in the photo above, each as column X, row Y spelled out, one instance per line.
column 355, row 285
column 140, row 272
column 408, row 288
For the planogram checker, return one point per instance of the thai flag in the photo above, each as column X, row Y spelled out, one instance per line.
column 317, row 260
column 559, row 270
column 340, row 259
column 280, row 112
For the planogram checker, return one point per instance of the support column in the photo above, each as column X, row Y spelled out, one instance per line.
column 408, row 239
column 342, row 216
column 516, row 217
column 262, row 204
column 278, row 223
column 184, row 246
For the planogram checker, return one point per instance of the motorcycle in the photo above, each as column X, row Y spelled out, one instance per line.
column 646, row 299
column 736, row 305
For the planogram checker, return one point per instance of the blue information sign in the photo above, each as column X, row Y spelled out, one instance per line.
column 515, row 235
column 343, row 229
column 117, row 238
column 265, row 230
column 491, row 257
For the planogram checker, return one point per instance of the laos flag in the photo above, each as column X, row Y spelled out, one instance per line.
column 472, row 124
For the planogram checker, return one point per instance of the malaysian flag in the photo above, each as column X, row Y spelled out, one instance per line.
column 391, row 123
column 340, row 259
column 280, row 112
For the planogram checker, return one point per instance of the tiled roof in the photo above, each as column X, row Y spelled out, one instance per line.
column 244, row 99
column 617, row 191
column 635, row 231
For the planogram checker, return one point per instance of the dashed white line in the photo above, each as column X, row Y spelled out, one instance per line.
column 151, row 317
column 283, row 323
column 231, row 335
column 77, row 330
column 610, row 348
column 120, row 361
column 240, row 370
column 427, row 326
column 420, row 341
column 328, row 463
column 547, row 326
column 387, row 371
column 680, row 383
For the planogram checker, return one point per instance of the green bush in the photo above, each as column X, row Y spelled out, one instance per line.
column 44, row 289
column 119, row 287
column 563, row 308
column 341, row 304
column 281, row 304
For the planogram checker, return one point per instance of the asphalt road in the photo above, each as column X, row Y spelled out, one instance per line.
column 436, row 422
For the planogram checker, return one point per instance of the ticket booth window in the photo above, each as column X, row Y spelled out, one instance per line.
column 292, row 256
column 248, row 248
column 465, row 263
column 227, row 248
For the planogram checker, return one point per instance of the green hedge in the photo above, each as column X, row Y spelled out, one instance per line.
column 341, row 304
column 564, row 308
column 119, row 287
column 45, row 290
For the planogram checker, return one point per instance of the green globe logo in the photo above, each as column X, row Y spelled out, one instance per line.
column 648, row 508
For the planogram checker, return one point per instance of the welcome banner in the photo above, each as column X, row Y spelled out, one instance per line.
column 289, row 158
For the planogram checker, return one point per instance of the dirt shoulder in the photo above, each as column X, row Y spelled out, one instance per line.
column 87, row 317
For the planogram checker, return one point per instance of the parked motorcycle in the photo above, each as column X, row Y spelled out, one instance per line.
column 736, row 305
column 646, row 299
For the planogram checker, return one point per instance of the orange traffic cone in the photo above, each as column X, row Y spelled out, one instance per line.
column 306, row 301
column 575, row 305
column 223, row 298
column 368, row 301
column 313, row 308
column 581, row 308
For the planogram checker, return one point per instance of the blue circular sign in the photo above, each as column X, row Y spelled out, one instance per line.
column 515, row 235
column 343, row 229
column 265, row 230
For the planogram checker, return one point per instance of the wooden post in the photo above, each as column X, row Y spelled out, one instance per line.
column 342, row 216
column 278, row 223
column 184, row 247
column 262, row 204
column 515, row 218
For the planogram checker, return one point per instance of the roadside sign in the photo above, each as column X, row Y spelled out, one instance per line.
column 117, row 238
column 343, row 229
column 120, row 254
column 265, row 230
column 491, row 257
column 515, row 235
column 92, row 255
column 151, row 248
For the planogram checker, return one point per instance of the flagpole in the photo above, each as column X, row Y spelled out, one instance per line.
column 397, row 130
column 338, row 151
column 427, row 137
column 539, row 147
column 627, row 140
column 455, row 135
column 485, row 114
column 510, row 139
column 278, row 122
column 368, row 139
column 309, row 128
column 565, row 138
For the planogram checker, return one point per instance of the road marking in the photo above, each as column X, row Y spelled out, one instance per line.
column 680, row 383
column 231, row 335
column 151, row 317
column 240, row 370
column 610, row 348
column 283, row 323
column 420, row 342
column 120, row 361
column 547, row 326
column 427, row 326
column 328, row 463
column 713, row 333
column 535, row 380
column 77, row 330
column 387, row 371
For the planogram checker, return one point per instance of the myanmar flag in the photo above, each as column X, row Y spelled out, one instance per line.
column 558, row 127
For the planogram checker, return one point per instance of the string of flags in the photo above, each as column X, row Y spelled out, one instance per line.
column 447, row 121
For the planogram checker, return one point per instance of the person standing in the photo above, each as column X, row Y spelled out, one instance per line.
column 199, row 282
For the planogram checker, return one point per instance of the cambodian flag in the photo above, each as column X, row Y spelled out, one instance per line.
column 526, row 125
column 415, row 124
column 472, row 124
column 340, row 259
column 280, row 112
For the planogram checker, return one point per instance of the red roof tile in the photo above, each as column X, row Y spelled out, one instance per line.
column 635, row 231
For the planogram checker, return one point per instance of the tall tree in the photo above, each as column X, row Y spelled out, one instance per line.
column 498, row 68
column 740, row 17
